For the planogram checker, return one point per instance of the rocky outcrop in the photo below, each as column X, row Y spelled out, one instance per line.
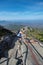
column 6, row 39
column 5, row 44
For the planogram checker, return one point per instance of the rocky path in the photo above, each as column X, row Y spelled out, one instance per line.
column 11, row 56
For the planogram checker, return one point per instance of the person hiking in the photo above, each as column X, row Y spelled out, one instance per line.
column 24, row 47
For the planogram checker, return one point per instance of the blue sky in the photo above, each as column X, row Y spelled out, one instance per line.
column 21, row 9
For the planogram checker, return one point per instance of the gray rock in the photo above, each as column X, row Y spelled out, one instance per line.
column 12, row 61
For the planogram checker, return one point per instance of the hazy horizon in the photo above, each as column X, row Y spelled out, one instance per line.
column 32, row 23
column 25, row 12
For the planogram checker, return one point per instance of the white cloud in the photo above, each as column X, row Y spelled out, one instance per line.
column 40, row 3
column 27, row 15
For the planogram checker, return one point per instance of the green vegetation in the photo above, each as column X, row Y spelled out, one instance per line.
column 14, row 27
column 35, row 32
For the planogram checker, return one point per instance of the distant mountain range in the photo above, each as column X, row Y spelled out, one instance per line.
column 32, row 23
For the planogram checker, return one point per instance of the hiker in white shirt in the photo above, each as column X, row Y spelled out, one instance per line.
column 24, row 47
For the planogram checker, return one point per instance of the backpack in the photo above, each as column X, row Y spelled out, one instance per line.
column 19, row 35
